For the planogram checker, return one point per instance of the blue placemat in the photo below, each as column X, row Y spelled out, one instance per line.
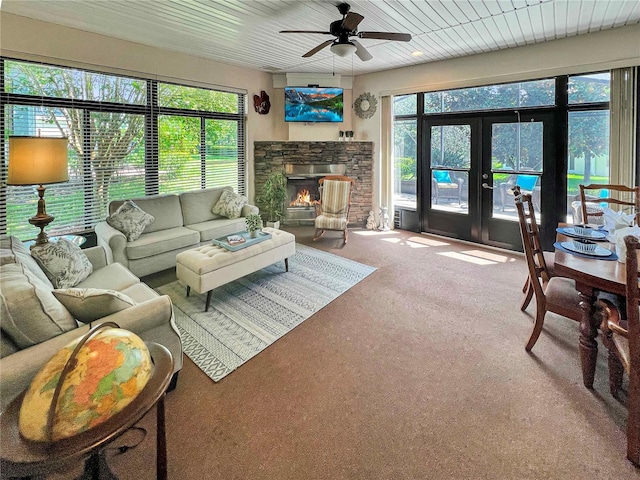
column 558, row 246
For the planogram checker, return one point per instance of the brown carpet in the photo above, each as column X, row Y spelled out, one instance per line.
column 418, row 372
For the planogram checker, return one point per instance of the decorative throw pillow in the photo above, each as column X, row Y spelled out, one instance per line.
column 64, row 263
column 30, row 313
column 130, row 219
column 89, row 304
column 229, row 205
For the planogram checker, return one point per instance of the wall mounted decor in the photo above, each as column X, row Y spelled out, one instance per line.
column 261, row 103
column 365, row 105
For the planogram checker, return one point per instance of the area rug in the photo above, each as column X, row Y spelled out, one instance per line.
column 249, row 314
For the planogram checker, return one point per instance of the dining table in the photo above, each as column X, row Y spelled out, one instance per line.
column 592, row 275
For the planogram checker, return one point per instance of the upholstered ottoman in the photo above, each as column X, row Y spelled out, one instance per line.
column 210, row 266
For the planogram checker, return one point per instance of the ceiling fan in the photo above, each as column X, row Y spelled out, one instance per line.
column 346, row 28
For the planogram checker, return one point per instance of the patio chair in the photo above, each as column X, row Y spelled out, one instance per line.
column 526, row 183
column 592, row 215
column 553, row 294
column 444, row 186
column 335, row 201
column 622, row 339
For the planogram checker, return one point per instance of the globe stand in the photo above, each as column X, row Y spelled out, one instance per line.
column 96, row 467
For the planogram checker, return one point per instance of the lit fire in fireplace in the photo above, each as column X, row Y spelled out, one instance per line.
column 303, row 199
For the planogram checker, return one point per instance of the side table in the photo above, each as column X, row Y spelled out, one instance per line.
column 27, row 459
column 78, row 240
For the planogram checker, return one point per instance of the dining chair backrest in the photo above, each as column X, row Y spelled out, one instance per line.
column 630, row 198
column 531, row 244
column 633, row 336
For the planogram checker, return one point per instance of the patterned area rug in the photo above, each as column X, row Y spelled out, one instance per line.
column 249, row 314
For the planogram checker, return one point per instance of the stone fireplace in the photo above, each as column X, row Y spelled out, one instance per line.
column 304, row 163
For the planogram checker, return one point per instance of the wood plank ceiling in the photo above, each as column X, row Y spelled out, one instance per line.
column 245, row 32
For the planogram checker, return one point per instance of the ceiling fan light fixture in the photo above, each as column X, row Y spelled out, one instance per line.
column 343, row 49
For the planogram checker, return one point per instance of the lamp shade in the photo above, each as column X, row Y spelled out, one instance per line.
column 343, row 49
column 37, row 160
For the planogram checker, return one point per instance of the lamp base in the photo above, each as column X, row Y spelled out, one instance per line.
column 41, row 221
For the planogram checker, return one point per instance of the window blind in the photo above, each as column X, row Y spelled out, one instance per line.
column 128, row 137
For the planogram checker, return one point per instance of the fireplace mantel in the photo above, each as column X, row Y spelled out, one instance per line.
column 357, row 158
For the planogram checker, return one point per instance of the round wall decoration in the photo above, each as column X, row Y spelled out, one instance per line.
column 365, row 105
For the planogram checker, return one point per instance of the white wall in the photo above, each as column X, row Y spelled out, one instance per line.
column 28, row 39
column 21, row 37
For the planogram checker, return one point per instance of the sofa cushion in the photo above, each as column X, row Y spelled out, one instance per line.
column 29, row 312
column 64, row 263
column 160, row 242
column 7, row 347
column 229, row 204
column 130, row 219
column 140, row 292
column 218, row 228
column 23, row 256
column 113, row 277
column 164, row 208
column 6, row 256
column 89, row 304
column 197, row 204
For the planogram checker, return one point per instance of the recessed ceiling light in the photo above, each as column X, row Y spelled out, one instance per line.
column 417, row 53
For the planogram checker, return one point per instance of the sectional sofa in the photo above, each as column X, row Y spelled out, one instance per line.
column 35, row 324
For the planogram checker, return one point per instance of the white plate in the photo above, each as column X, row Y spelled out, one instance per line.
column 598, row 252
column 595, row 234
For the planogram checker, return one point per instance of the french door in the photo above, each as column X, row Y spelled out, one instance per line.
column 469, row 167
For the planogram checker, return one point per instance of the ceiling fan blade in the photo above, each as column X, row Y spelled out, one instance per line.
column 361, row 52
column 399, row 37
column 305, row 31
column 351, row 21
column 318, row 48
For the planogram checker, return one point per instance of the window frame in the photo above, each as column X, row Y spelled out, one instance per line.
column 151, row 112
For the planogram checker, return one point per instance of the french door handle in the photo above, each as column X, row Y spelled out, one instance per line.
column 486, row 185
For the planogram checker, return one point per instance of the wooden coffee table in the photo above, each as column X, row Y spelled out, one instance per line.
column 27, row 459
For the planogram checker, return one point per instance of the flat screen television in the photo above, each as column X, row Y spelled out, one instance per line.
column 313, row 104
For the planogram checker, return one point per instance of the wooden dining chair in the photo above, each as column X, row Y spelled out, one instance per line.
column 527, row 289
column 553, row 294
column 587, row 198
column 622, row 339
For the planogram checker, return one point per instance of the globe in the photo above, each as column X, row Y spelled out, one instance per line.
column 110, row 370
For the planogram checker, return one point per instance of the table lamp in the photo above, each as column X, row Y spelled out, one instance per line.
column 38, row 161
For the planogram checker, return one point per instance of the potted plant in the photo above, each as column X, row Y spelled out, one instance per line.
column 254, row 223
column 274, row 194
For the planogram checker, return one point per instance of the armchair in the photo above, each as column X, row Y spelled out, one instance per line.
column 444, row 186
column 335, row 200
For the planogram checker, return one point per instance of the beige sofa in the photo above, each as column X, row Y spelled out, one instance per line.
column 181, row 222
column 35, row 325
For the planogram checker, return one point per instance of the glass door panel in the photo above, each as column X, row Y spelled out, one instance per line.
column 516, row 160
column 450, row 164
column 519, row 150
column 448, row 177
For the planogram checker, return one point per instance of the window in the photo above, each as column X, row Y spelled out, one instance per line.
column 405, row 150
column 124, row 141
column 588, row 133
column 493, row 97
